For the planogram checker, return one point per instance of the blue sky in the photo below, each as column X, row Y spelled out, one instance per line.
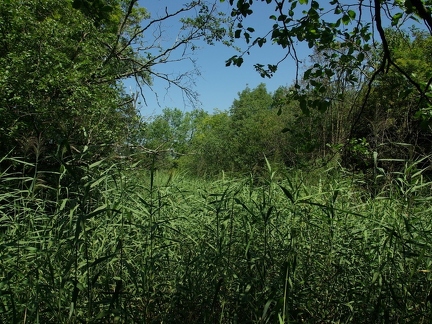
column 217, row 85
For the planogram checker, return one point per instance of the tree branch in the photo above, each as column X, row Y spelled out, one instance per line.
column 424, row 13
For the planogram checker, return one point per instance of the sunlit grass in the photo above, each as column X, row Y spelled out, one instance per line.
column 128, row 246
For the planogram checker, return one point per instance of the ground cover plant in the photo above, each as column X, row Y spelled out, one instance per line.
column 125, row 245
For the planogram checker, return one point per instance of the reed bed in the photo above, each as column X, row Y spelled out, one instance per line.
column 112, row 244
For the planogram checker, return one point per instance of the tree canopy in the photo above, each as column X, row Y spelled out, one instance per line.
column 62, row 65
column 350, row 30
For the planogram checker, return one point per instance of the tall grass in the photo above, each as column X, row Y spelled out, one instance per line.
column 112, row 244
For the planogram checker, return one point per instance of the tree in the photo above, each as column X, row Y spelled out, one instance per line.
column 347, row 29
column 170, row 134
column 241, row 139
column 50, row 60
column 395, row 110
column 211, row 147
column 62, row 66
column 251, row 125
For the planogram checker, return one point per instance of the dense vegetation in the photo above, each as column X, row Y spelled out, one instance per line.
column 307, row 205
column 130, row 246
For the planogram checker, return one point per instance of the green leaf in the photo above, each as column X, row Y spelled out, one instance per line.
column 396, row 18
column 261, row 41
column 351, row 14
column 346, row 19
column 303, row 106
column 282, row 17
column 231, row 60
column 239, row 61
column 288, row 194
column 95, row 164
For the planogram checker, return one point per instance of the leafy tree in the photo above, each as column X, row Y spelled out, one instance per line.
column 299, row 134
column 51, row 63
column 250, row 102
column 385, row 73
column 395, row 110
column 211, row 148
column 252, row 125
column 61, row 71
column 169, row 135
column 241, row 139
column 349, row 29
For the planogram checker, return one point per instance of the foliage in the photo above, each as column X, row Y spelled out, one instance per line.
column 264, row 126
column 250, row 120
column 170, row 134
column 53, row 94
column 211, row 149
column 62, row 66
column 88, row 238
column 392, row 114
column 135, row 246
column 276, row 126
column 349, row 29
column 241, row 139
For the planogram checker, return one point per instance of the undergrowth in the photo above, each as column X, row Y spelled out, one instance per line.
column 112, row 244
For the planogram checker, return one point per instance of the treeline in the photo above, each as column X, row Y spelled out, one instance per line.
column 62, row 67
column 63, row 103
column 365, row 124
